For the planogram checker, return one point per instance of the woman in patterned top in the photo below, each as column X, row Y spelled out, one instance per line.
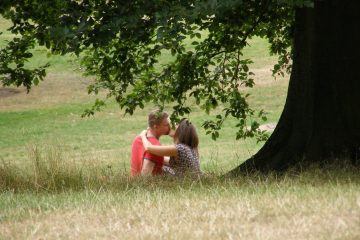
column 184, row 155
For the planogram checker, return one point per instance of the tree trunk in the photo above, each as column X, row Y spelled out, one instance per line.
column 321, row 116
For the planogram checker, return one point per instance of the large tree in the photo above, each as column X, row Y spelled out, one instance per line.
column 320, row 121
column 120, row 42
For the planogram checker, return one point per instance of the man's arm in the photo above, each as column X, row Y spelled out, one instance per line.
column 147, row 167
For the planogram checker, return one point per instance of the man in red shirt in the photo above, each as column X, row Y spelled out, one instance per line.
column 145, row 163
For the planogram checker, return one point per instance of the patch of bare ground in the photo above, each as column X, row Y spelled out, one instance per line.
column 8, row 92
column 55, row 89
column 281, row 217
column 268, row 127
column 263, row 76
column 59, row 88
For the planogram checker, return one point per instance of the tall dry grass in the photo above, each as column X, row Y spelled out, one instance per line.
column 49, row 169
column 55, row 197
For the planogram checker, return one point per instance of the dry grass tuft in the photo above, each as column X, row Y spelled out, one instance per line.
column 304, row 214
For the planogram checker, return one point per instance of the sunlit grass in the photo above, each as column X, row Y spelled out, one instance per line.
column 291, row 206
column 52, row 110
column 50, row 114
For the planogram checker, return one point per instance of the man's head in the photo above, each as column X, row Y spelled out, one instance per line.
column 159, row 123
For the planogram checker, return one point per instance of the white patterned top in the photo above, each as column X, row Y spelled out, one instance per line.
column 186, row 162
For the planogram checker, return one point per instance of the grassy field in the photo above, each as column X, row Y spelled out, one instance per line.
column 66, row 177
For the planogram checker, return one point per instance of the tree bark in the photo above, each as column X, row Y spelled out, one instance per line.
column 321, row 116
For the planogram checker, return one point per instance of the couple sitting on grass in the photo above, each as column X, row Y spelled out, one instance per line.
column 149, row 157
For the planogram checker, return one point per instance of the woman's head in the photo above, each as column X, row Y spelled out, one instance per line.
column 186, row 134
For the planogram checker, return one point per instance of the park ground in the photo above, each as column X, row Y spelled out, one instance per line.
column 66, row 177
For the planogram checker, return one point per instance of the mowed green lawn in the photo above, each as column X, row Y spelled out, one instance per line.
column 66, row 177
column 51, row 114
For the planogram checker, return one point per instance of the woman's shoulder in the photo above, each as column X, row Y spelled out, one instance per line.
column 185, row 150
column 181, row 146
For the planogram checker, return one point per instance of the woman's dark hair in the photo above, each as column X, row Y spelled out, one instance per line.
column 186, row 134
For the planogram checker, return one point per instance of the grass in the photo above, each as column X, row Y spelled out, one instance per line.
column 66, row 177
column 289, row 207
column 52, row 111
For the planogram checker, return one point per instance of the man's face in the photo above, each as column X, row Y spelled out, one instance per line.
column 164, row 127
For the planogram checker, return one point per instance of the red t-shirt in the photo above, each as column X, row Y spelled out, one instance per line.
column 138, row 154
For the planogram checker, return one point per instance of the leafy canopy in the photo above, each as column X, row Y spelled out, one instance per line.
column 120, row 42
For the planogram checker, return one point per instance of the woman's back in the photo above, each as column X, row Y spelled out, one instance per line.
column 186, row 162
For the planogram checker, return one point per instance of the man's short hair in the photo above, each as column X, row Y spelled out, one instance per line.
column 156, row 117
